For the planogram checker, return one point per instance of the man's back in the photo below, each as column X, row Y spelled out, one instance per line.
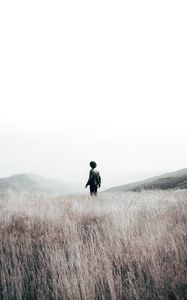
column 94, row 178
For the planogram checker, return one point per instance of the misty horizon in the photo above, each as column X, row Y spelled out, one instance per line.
column 78, row 186
column 103, row 82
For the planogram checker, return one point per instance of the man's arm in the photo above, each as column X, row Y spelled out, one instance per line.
column 88, row 182
column 99, row 180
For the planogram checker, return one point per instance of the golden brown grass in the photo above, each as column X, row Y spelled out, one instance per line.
column 116, row 246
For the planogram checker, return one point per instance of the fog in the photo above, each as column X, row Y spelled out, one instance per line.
column 102, row 80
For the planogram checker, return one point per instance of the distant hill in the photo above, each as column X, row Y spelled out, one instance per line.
column 33, row 183
column 173, row 180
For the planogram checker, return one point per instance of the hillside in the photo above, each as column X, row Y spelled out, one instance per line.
column 174, row 180
column 33, row 183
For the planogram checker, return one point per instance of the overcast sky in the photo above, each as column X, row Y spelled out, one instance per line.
column 93, row 80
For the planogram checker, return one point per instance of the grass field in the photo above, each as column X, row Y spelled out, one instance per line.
column 116, row 246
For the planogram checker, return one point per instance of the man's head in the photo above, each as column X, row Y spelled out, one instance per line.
column 93, row 164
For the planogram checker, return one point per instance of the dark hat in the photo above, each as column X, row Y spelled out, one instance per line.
column 93, row 164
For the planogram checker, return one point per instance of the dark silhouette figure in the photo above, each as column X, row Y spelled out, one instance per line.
column 94, row 180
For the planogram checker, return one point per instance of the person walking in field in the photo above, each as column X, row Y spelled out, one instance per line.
column 94, row 180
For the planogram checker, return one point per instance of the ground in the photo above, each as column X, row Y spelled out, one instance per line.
column 116, row 246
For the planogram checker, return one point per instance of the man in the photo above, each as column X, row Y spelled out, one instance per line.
column 94, row 180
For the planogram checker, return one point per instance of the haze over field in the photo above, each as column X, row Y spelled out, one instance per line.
column 102, row 80
column 34, row 183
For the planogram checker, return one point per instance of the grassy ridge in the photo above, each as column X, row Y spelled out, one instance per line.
column 116, row 246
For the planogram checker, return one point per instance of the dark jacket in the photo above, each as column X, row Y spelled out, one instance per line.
column 94, row 178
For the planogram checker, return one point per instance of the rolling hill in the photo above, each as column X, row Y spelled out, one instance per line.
column 33, row 183
column 169, row 181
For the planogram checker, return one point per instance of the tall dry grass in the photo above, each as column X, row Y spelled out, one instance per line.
column 116, row 246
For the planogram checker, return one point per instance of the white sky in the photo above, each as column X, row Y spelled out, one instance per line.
column 93, row 80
